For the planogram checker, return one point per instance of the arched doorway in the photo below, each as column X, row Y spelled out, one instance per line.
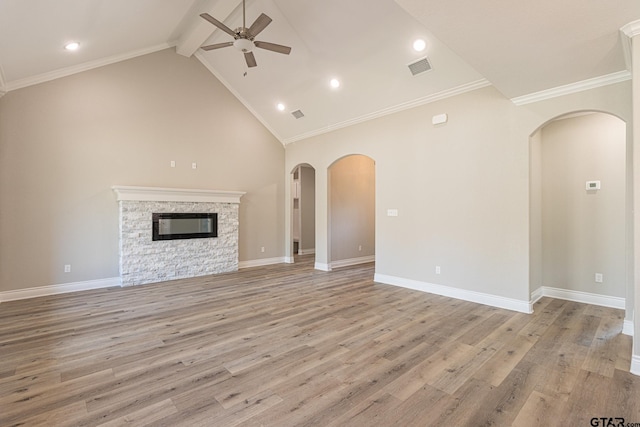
column 303, row 209
column 351, row 222
column 579, row 209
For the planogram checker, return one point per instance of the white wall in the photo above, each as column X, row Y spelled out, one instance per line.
column 64, row 143
column 583, row 232
column 461, row 189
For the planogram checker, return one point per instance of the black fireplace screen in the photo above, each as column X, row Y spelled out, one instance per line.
column 170, row 226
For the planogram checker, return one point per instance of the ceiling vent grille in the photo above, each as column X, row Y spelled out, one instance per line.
column 298, row 114
column 420, row 66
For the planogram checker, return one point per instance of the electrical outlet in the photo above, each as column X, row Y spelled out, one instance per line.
column 194, row 165
column 67, row 268
column 172, row 163
column 598, row 277
column 262, row 249
column 360, row 248
column 437, row 269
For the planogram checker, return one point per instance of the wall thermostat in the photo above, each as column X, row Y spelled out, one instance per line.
column 593, row 185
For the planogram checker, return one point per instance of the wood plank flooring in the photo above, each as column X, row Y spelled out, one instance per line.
column 287, row 345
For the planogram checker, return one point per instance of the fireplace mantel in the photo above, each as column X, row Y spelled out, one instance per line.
column 158, row 194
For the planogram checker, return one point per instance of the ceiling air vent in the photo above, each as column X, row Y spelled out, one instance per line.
column 420, row 66
column 297, row 114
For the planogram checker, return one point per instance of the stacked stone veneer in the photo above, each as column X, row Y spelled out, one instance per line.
column 143, row 260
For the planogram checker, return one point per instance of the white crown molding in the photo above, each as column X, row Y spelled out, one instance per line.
column 226, row 84
column 68, row 71
column 632, row 29
column 580, row 86
column 478, row 84
column 158, row 194
column 625, row 41
column 64, row 288
column 584, row 297
column 261, row 262
column 627, row 33
column 462, row 294
column 352, row 261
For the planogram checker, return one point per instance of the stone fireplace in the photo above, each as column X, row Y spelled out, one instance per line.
column 144, row 260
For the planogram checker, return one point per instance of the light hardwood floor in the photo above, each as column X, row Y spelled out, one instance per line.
column 287, row 345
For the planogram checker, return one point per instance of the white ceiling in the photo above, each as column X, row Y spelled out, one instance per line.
column 520, row 48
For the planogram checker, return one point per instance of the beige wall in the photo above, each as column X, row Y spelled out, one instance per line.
column 461, row 189
column 64, row 143
column 583, row 232
column 307, row 209
column 352, row 207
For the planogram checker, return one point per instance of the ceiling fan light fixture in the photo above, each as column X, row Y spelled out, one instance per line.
column 243, row 45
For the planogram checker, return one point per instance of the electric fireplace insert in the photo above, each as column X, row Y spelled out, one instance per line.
column 171, row 226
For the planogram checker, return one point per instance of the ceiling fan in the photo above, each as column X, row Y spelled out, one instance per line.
column 244, row 37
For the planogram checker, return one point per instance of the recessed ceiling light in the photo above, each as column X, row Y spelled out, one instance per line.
column 72, row 46
column 335, row 83
column 419, row 45
column 280, row 107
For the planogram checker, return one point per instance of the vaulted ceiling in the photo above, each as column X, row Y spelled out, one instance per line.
column 524, row 49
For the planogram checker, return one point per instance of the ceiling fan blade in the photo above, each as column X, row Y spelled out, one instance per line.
column 251, row 60
column 259, row 25
column 216, row 46
column 218, row 24
column 273, row 47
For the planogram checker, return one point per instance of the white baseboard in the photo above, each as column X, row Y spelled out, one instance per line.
column 306, row 251
column 473, row 296
column 353, row 261
column 261, row 262
column 289, row 260
column 536, row 295
column 635, row 364
column 583, row 297
column 322, row 266
column 627, row 327
column 63, row 288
